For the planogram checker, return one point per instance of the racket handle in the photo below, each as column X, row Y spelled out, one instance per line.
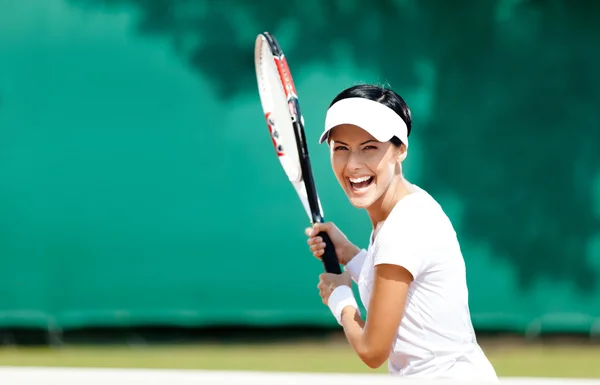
column 329, row 258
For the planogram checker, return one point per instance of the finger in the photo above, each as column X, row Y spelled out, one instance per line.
column 319, row 253
column 314, row 240
column 327, row 277
column 318, row 246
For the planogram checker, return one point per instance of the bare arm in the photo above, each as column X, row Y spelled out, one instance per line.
column 372, row 340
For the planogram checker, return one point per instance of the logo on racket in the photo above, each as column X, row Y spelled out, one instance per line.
column 274, row 134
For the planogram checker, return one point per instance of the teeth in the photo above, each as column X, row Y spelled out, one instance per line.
column 361, row 179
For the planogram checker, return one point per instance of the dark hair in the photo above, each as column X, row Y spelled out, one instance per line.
column 385, row 96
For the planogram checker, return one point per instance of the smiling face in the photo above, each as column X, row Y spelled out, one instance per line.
column 364, row 167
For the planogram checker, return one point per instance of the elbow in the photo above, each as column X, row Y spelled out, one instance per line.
column 374, row 360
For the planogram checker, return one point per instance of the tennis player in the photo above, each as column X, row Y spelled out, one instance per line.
column 411, row 279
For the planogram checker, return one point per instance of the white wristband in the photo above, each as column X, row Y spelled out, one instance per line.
column 341, row 297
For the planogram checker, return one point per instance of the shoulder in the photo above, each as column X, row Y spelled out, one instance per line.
column 416, row 213
column 416, row 233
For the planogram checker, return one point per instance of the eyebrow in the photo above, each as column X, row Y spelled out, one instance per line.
column 370, row 140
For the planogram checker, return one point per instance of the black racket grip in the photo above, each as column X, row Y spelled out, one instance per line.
column 329, row 257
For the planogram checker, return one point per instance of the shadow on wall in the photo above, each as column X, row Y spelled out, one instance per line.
column 514, row 120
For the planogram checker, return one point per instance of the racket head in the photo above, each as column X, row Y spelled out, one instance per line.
column 281, row 110
column 275, row 106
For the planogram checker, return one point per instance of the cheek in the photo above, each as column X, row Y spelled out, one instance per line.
column 337, row 171
column 385, row 172
column 338, row 164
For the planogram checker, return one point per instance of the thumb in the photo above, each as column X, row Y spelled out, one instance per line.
column 320, row 227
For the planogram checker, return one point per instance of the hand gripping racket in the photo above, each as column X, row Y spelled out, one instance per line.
column 286, row 125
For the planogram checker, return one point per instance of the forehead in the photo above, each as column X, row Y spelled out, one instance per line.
column 349, row 133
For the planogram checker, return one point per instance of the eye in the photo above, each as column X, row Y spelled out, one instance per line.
column 339, row 148
column 370, row 148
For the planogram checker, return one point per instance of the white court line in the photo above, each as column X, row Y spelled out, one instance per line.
column 97, row 376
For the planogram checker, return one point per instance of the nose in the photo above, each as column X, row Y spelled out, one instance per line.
column 354, row 161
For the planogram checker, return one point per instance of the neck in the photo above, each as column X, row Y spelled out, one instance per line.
column 381, row 209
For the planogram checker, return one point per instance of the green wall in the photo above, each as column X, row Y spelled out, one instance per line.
column 138, row 184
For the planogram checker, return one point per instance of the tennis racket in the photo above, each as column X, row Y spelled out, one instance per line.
column 281, row 108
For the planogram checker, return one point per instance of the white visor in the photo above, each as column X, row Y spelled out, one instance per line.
column 377, row 119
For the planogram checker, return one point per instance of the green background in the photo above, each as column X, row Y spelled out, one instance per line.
column 138, row 184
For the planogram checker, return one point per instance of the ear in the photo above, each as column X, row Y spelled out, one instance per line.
column 401, row 154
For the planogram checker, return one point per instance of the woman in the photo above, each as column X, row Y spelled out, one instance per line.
column 412, row 278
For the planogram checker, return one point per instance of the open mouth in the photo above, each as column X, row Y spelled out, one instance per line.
column 361, row 184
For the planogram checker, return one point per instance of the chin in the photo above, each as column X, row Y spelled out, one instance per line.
column 360, row 202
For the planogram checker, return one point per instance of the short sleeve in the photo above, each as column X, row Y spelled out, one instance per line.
column 404, row 240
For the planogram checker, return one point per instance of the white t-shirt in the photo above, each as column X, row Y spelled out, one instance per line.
column 435, row 338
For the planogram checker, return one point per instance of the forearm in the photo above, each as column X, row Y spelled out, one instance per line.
column 352, row 252
column 354, row 326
